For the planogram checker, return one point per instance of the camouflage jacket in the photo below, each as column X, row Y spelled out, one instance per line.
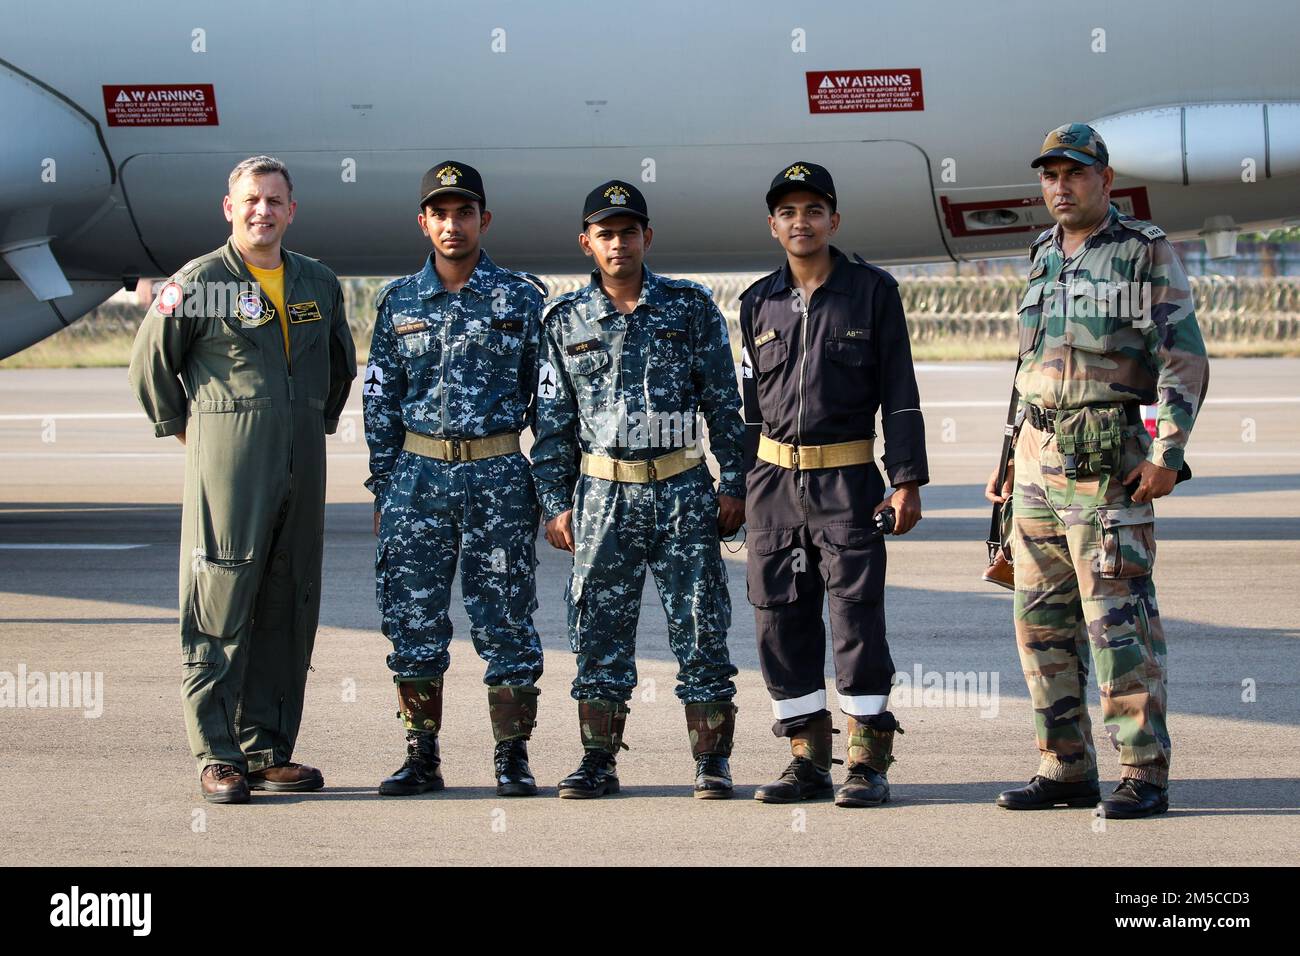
column 629, row 386
column 1114, row 323
column 450, row 364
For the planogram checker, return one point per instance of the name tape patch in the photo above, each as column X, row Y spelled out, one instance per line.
column 409, row 326
column 303, row 312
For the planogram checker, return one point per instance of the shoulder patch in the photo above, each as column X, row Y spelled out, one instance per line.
column 1142, row 226
column 383, row 293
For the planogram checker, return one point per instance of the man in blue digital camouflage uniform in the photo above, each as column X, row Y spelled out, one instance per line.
column 452, row 374
column 629, row 361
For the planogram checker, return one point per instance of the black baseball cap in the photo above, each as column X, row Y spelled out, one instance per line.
column 452, row 177
column 807, row 176
column 614, row 198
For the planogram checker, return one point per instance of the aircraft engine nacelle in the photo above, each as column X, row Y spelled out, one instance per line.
column 1205, row 142
column 55, row 177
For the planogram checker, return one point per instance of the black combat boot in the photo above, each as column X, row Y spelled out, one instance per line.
column 1135, row 798
column 808, row 776
column 513, row 711
column 712, row 726
column 871, row 746
column 420, row 772
column 602, row 723
column 420, row 707
column 1044, row 794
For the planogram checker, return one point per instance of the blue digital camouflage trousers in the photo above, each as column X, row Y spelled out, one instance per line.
column 672, row 526
column 484, row 513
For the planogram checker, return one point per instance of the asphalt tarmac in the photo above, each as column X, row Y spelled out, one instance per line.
column 89, row 524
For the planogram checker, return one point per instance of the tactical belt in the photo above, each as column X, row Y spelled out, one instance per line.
column 461, row 449
column 1044, row 419
column 640, row 472
column 808, row 457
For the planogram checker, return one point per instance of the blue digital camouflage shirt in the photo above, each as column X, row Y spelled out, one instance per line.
column 450, row 364
column 630, row 386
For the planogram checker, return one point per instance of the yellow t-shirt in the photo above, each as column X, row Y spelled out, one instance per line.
column 272, row 283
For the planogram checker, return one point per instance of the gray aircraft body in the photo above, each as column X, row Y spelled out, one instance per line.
column 121, row 126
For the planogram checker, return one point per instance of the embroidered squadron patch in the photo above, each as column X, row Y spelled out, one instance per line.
column 254, row 309
column 169, row 298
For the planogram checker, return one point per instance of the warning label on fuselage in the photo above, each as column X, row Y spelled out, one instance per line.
column 166, row 104
column 864, row 91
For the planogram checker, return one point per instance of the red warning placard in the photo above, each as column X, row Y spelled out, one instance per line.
column 166, row 104
column 864, row 91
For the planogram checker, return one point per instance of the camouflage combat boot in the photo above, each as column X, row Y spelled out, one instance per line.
column 514, row 714
column 420, row 703
column 602, row 723
column 871, row 745
column 809, row 774
column 712, row 726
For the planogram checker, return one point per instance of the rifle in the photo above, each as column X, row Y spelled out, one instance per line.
column 1000, row 570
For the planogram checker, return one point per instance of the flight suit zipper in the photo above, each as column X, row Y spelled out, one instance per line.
column 287, row 292
column 803, row 363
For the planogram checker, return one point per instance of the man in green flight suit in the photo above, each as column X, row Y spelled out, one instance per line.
column 246, row 357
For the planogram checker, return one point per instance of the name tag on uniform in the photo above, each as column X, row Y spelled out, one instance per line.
column 508, row 325
column 670, row 334
column 405, row 326
column 303, row 311
column 580, row 348
column 766, row 337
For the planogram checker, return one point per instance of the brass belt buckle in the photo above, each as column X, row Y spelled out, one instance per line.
column 650, row 469
column 454, row 444
column 794, row 457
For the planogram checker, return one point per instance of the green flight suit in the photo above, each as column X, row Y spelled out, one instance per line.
column 209, row 360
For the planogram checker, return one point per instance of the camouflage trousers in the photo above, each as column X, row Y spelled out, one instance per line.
column 672, row 526
column 1083, row 555
column 485, row 514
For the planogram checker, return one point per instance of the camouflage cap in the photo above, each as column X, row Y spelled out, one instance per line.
column 1076, row 141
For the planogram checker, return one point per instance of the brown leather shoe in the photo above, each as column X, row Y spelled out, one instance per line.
column 222, row 783
column 287, row 778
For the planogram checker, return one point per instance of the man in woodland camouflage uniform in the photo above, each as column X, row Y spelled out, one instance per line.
column 1107, row 324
